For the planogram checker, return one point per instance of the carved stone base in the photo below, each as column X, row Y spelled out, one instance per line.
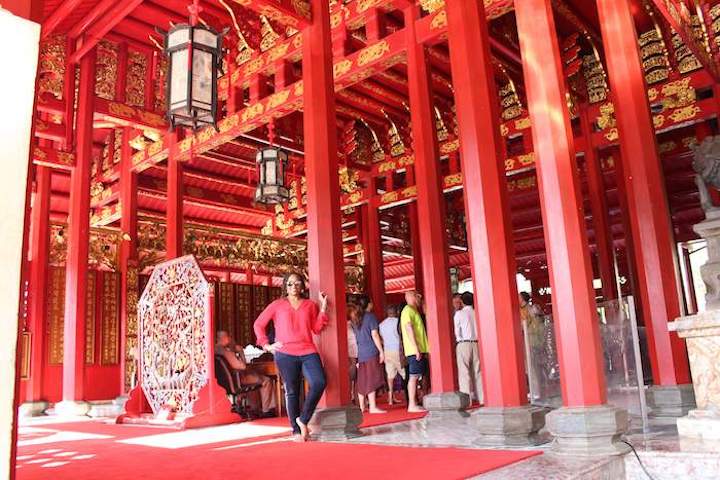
column 588, row 431
column 445, row 406
column 104, row 409
column 670, row 401
column 701, row 424
column 336, row 423
column 514, row 426
column 32, row 409
column 71, row 408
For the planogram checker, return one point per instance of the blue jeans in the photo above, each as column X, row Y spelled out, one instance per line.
column 293, row 368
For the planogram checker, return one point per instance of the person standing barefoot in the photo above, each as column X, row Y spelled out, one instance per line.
column 415, row 344
column 370, row 354
column 296, row 319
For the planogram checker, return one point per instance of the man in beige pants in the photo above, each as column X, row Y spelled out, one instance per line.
column 468, row 358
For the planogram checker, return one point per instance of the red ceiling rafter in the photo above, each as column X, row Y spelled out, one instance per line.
column 295, row 14
column 95, row 33
column 58, row 16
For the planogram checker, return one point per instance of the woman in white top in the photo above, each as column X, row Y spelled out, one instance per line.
column 352, row 356
column 389, row 332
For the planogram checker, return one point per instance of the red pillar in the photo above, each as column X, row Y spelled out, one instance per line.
column 174, row 213
column 325, row 253
column 599, row 208
column 488, row 222
column 39, row 250
column 128, row 257
column 412, row 212
column 575, row 318
column 431, row 214
column 655, row 255
column 372, row 245
column 76, row 266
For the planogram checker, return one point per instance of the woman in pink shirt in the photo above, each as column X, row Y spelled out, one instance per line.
column 296, row 319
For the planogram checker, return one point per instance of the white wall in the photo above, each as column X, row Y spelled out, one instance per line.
column 18, row 56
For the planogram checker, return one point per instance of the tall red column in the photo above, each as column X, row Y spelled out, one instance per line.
column 372, row 246
column 412, row 213
column 39, row 250
column 128, row 262
column 573, row 297
column 324, row 239
column 76, row 265
column 599, row 208
column 655, row 254
column 430, row 214
column 174, row 205
column 486, row 203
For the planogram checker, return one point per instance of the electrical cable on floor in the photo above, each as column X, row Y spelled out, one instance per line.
column 638, row 459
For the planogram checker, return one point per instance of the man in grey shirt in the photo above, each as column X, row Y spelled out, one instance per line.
column 390, row 335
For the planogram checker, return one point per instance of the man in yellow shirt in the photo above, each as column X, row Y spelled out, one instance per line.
column 415, row 344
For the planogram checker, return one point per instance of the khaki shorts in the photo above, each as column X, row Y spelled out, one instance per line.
column 393, row 364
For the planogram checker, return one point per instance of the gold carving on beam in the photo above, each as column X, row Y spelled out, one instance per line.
column 278, row 52
column 155, row 148
column 607, row 116
column 440, row 21
column 269, row 36
column 612, row 134
column 373, row 52
column 389, row 197
column 136, row 75
column 452, row 180
column 51, row 67
column 106, row 66
column 121, row 109
column 432, row 5
column 254, row 66
column 658, row 121
column 341, row 68
column 363, row 5
column 66, row 158
column 227, row 123
column 185, row 145
column 652, row 94
column 450, row 147
column 39, row 153
column 252, row 111
column 685, row 113
column 523, row 123
column 527, row 159
column 504, row 130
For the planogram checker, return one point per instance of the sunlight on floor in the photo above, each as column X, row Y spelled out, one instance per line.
column 191, row 438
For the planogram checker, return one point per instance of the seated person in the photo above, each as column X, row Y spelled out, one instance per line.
column 235, row 357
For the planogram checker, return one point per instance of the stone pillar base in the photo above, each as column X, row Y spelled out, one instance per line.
column 700, row 424
column 104, row 409
column 32, row 409
column 588, row 431
column 70, row 408
column 446, row 406
column 510, row 426
column 336, row 423
column 670, row 401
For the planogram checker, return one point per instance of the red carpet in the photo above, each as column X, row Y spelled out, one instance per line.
column 275, row 459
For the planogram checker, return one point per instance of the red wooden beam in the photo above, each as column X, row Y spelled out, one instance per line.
column 58, row 16
column 99, row 9
column 103, row 26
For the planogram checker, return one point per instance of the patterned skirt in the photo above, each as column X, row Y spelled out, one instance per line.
column 370, row 376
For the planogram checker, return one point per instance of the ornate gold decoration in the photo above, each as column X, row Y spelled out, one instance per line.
column 373, row 52
column 440, row 21
column 51, row 66
column 432, row 5
column 341, row 68
column 106, row 69
column 440, row 128
column 348, row 179
column 110, row 325
column 607, row 116
column 159, row 84
column 686, row 113
column 90, row 297
column 269, row 36
column 397, row 146
column 595, row 78
column 136, row 75
column 654, row 56
column 354, row 279
column 509, row 101
column 104, row 247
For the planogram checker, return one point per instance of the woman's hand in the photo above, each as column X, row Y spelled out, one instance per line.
column 323, row 302
column 418, row 356
column 272, row 347
column 382, row 357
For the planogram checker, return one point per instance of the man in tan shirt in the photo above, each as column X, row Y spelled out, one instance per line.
column 236, row 359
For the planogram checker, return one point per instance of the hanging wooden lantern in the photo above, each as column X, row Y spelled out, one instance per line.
column 195, row 54
column 272, row 166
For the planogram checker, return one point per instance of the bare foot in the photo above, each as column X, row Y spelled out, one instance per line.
column 304, row 432
column 297, row 438
column 377, row 410
column 416, row 409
